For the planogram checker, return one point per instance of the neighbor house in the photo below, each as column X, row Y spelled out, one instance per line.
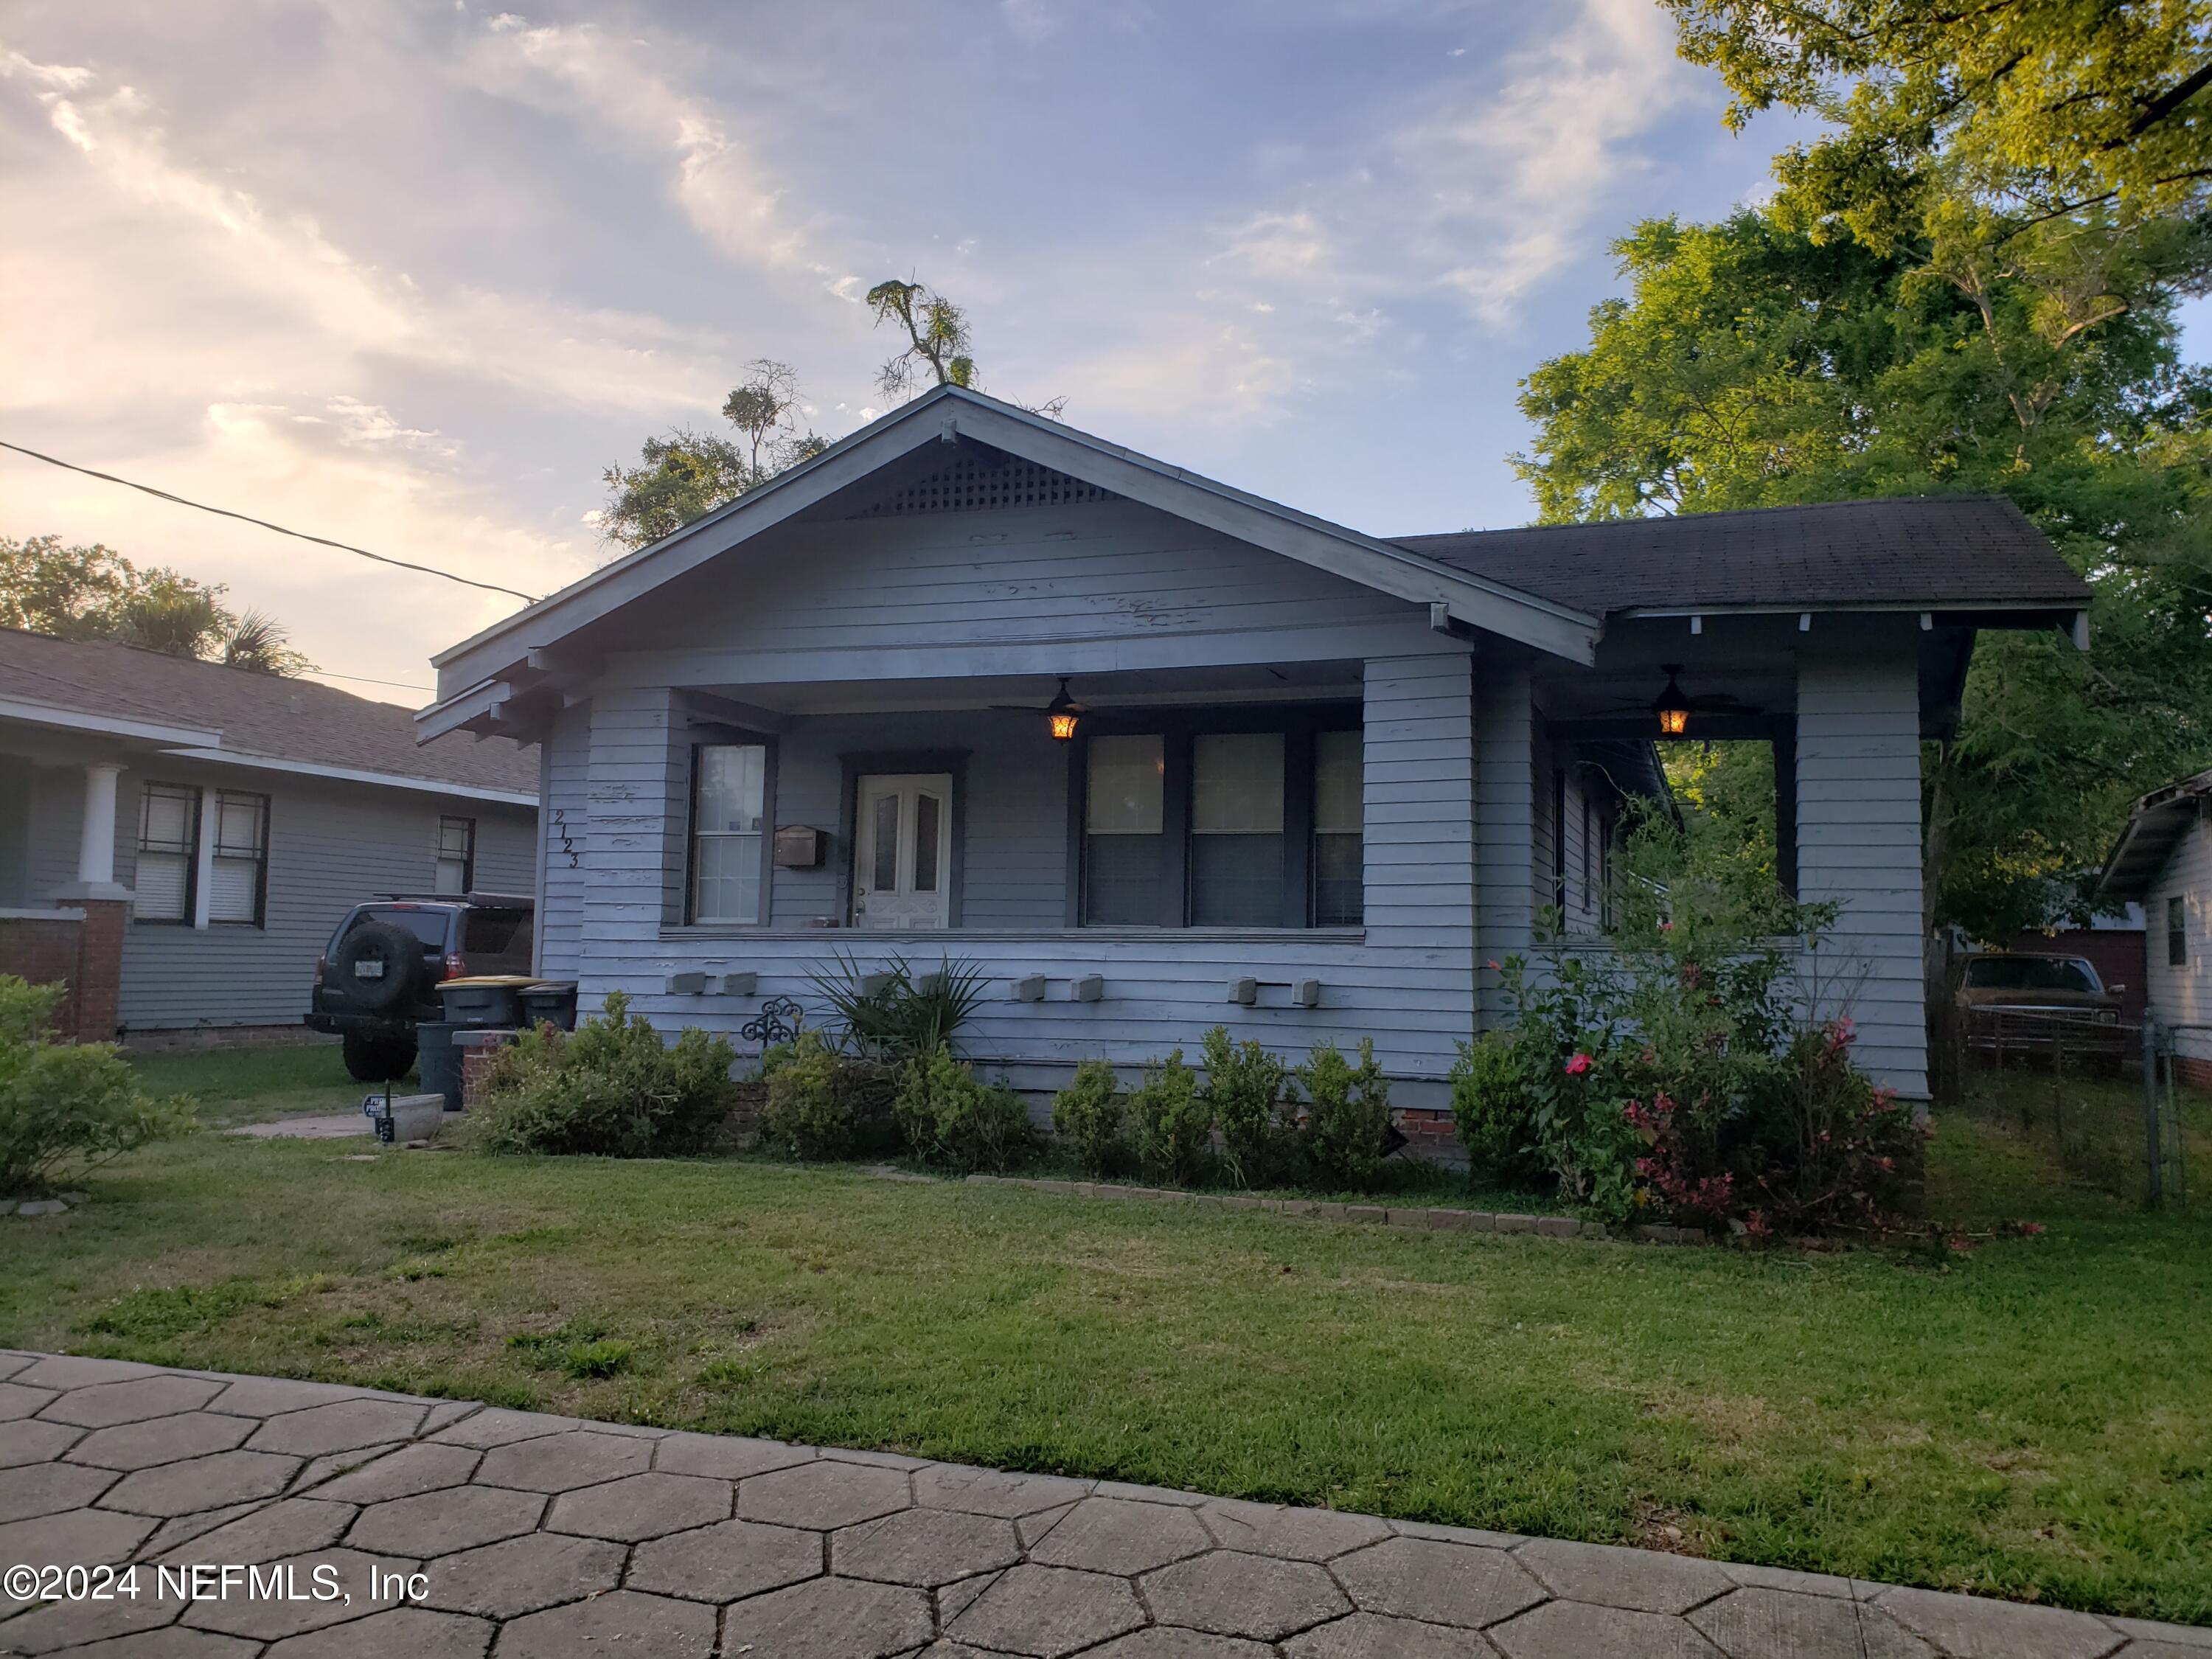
column 2163, row 861
column 177, row 839
column 1316, row 783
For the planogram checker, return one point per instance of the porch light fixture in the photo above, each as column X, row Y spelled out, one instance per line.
column 1060, row 714
column 1672, row 707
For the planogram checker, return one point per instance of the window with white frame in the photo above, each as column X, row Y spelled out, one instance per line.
column 238, row 874
column 456, row 868
column 168, row 847
column 729, row 804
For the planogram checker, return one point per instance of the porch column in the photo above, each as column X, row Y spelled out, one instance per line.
column 632, row 882
column 1417, row 741
column 96, row 846
column 1858, row 844
column 1505, row 829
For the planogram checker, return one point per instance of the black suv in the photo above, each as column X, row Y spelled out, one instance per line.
column 379, row 972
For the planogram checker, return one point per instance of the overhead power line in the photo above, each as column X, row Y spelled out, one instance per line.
column 225, row 513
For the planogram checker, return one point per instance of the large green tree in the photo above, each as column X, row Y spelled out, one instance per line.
column 1755, row 364
column 1967, row 282
column 91, row 592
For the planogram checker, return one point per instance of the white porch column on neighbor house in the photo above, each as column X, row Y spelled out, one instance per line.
column 1506, row 828
column 1858, row 843
column 96, row 846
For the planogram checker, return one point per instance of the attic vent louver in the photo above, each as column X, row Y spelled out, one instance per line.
column 976, row 484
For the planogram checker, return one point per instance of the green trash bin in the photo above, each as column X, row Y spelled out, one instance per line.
column 440, row 1061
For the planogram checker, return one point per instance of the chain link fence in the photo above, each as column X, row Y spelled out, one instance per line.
column 2102, row 1098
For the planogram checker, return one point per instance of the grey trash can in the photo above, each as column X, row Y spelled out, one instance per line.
column 440, row 1061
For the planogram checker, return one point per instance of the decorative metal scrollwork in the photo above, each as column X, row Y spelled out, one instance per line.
column 778, row 1021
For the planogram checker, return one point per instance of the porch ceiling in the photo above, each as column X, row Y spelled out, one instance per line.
column 1234, row 683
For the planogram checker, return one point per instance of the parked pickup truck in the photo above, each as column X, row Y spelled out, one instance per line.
column 381, row 972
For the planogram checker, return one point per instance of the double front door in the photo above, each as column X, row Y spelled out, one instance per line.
column 903, row 851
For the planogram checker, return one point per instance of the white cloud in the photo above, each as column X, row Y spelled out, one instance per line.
column 721, row 185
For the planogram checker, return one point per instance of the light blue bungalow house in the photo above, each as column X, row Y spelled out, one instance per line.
column 1312, row 780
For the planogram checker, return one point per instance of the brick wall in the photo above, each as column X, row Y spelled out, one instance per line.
column 44, row 949
column 98, row 987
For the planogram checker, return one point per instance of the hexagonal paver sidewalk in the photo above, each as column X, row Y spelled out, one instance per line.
column 537, row 1535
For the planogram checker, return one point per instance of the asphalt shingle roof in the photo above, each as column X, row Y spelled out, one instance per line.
column 1948, row 551
column 257, row 714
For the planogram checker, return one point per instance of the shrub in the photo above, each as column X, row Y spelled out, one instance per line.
column 806, row 1113
column 1246, row 1094
column 949, row 1117
column 904, row 1016
column 611, row 1088
column 67, row 1108
column 1169, row 1121
column 1347, row 1122
column 1490, row 1110
column 1088, row 1113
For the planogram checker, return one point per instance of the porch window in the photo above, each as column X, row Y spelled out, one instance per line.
column 456, row 867
column 1339, row 830
column 168, row 840
column 238, row 875
column 1237, row 830
column 1249, row 820
column 1125, row 838
column 729, row 803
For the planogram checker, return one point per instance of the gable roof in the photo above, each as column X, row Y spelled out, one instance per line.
column 1944, row 551
column 206, row 711
column 947, row 413
column 2156, row 825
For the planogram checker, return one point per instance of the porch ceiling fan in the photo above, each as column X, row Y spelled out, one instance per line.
column 1060, row 714
column 1674, row 706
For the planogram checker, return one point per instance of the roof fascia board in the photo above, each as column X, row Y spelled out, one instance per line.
column 110, row 726
column 790, row 493
column 356, row 775
column 478, row 703
column 2055, row 608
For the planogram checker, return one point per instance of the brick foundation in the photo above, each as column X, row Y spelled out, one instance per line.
column 2193, row 1073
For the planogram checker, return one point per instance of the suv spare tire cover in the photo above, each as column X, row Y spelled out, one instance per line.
column 377, row 967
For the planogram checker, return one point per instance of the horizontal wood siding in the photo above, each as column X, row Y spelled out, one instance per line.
column 1858, row 842
column 564, row 789
column 331, row 845
column 2182, row 997
column 1094, row 572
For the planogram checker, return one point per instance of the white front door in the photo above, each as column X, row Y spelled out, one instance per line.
column 903, row 851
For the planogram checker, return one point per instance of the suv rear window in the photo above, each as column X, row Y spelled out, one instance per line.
column 428, row 924
column 497, row 941
column 2032, row 974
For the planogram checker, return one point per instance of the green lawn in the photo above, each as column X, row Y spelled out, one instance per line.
column 246, row 1085
column 2029, row 1418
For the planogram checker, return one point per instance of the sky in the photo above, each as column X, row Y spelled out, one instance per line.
column 411, row 275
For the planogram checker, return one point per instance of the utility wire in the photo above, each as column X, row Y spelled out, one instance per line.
column 325, row 674
column 225, row 513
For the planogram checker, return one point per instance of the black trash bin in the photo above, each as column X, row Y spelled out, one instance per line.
column 485, row 1000
column 440, row 1061
column 552, row 1000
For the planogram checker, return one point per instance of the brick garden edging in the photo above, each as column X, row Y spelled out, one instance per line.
column 1424, row 1220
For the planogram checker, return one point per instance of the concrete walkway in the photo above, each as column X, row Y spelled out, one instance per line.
column 542, row 1536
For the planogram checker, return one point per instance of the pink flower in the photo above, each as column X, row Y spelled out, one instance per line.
column 1666, row 927
column 1492, row 964
column 1578, row 1064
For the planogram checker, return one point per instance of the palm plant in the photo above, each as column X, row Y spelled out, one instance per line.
column 889, row 1014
